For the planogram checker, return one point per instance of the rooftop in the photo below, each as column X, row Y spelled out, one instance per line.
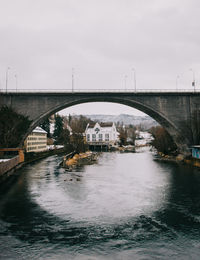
column 39, row 130
column 92, row 125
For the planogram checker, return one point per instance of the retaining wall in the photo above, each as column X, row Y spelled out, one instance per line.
column 8, row 165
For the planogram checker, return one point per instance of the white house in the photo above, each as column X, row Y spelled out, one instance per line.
column 101, row 134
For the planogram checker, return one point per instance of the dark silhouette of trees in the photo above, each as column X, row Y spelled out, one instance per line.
column 78, row 125
column 65, row 139
column 73, row 141
column 163, row 142
column 127, row 134
column 131, row 134
column 78, row 143
column 58, row 129
column 122, row 135
column 46, row 126
column 13, row 127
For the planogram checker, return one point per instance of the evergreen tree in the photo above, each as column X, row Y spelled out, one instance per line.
column 46, row 126
column 64, row 139
column 58, row 129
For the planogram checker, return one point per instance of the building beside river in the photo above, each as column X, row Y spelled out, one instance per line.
column 196, row 151
column 36, row 141
column 101, row 134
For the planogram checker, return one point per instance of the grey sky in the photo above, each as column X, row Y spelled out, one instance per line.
column 41, row 40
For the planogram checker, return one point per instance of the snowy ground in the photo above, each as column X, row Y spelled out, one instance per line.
column 52, row 147
column 4, row 160
column 146, row 138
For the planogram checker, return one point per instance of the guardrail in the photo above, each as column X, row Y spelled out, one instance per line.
column 10, row 91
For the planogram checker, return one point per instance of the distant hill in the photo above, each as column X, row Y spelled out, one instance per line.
column 145, row 121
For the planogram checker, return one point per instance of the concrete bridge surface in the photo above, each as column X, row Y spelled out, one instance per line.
column 175, row 111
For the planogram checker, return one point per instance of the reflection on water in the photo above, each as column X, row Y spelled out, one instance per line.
column 127, row 206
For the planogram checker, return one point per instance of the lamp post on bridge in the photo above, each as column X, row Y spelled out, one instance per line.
column 134, row 76
column 125, row 78
column 177, row 78
column 16, row 81
column 7, row 78
column 193, row 79
column 72, row 79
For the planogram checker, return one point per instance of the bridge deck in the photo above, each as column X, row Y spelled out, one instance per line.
column 80, row 91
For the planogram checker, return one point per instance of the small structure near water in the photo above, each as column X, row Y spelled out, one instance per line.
column 79, row 160
column 196, row 151
column 126, row 149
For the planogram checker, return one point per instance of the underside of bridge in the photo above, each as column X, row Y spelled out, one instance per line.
column 174, row 111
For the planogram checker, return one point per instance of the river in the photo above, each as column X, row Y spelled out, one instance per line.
column 126, row 206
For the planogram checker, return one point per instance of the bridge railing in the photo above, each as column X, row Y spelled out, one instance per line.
column 98, row 90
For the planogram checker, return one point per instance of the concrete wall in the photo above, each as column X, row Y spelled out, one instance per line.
column 8, row 165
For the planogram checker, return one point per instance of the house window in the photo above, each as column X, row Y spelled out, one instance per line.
column 93, row 138
column 100, row 137
column 88, row 137
column 106, row 137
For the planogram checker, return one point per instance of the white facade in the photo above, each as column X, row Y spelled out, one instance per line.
column 36, row 141
column 101, row 133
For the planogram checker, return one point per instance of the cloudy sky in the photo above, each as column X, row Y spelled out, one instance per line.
column 103, row 40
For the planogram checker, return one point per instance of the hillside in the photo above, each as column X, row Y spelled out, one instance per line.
column 145, row 121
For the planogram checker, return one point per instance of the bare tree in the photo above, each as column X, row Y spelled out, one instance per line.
column 163, row 142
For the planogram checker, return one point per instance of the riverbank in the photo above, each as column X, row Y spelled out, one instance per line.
column 178, row 159
column 31, row 157
column 11, row 174
column 77, row 160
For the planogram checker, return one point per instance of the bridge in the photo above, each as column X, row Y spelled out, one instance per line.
column 175, row 111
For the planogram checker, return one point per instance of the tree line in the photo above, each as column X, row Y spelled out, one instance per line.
column 162, row 141
column 78, row 124
column 14, row 126
column 68, row 131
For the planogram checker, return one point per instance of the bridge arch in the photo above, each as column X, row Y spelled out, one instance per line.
column 162, row 119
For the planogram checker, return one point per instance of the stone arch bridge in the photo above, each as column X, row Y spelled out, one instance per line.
column 174, row 111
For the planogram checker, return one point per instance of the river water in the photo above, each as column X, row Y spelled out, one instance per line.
column 127, row 206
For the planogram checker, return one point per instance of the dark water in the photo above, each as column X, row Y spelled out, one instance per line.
column 127, row 206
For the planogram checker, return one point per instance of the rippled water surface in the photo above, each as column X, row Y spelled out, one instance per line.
column 127, row 206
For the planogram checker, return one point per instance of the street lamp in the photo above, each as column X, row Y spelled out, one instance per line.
column 125, row 78
column 7, row 78
column 16, row 81
column 193, row 80
column 134, row 75
column 177, row 78
column 72, row 79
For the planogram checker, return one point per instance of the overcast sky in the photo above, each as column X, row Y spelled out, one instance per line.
column 42, row 40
